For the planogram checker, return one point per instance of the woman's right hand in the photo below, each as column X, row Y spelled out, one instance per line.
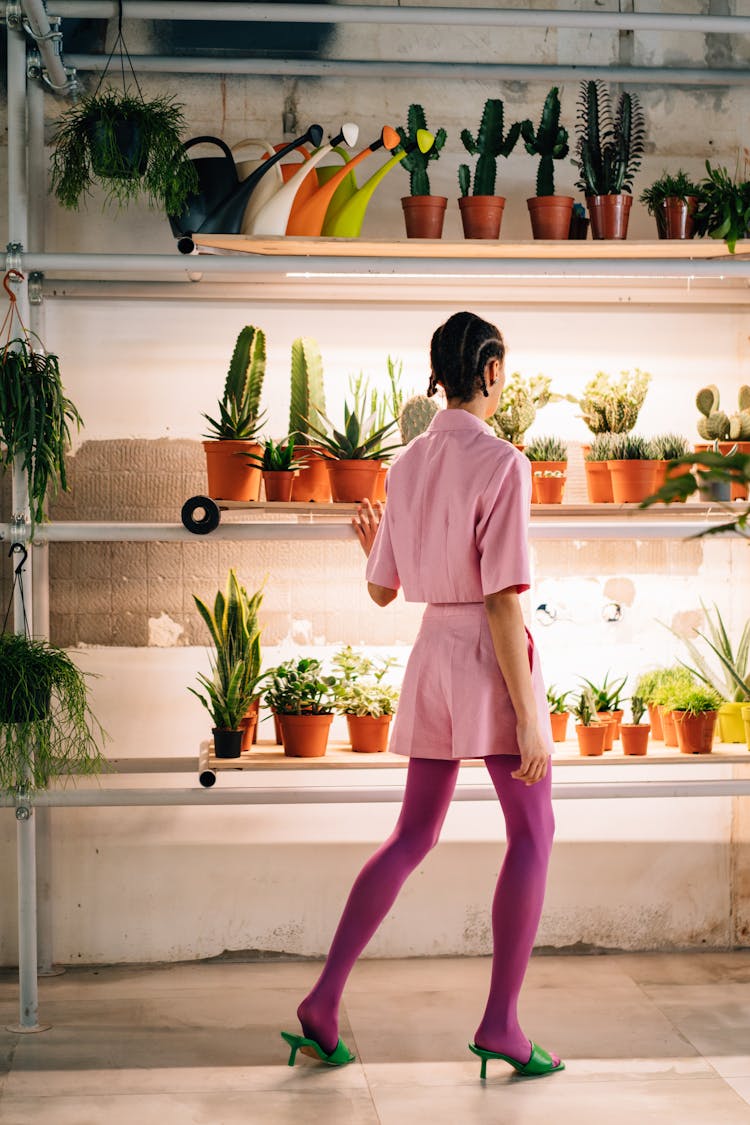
column 365, row 523
column 534, row 756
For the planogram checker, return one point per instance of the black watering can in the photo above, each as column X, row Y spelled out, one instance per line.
column 219, row 205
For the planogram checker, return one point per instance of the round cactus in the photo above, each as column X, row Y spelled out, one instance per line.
column 739, row 426
column 415, row 417
column 715, row 427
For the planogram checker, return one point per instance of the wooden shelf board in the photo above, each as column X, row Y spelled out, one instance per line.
column 674, row 512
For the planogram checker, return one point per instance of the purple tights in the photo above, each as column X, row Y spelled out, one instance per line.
column 516, row 907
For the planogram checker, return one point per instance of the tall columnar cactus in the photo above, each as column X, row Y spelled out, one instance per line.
column 240, row 407
column 610, row 148
column 716, row 425
column 417, row 161
column 550, row 142
column 415, row 417
column 491, row 141
column 307, row 404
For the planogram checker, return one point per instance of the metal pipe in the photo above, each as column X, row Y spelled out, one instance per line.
column 369, row 794
column 409, row 15
column 424, row 69
column 49, row 44
column 303, row 267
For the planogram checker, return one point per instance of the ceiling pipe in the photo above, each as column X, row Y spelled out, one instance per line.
column 49, row 43
column 410, row 15
column 411, row 69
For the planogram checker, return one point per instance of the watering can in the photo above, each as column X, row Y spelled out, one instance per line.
column 346, row 221
column 273, row 217
column 273, row 180
column 308, row 219
column 220, row 208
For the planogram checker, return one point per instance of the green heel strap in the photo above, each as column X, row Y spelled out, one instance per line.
column 541, row 1062
column 339, row 1056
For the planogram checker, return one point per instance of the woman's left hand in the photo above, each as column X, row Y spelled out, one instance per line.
column 365, row 523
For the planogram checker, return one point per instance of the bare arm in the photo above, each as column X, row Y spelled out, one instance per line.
column 365, row 524
column 510, row 643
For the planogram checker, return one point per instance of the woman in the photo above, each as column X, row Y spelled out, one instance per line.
column 453, row 534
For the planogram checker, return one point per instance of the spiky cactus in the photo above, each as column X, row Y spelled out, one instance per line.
column 716, row 425
column 415, row 417
column 240, row 417
column 307, row 402
column 610, row 149
column 417, row 161
column 491, row 141
column 547, row 449
column 612, row 406
column 518, row 405
column 550, row 142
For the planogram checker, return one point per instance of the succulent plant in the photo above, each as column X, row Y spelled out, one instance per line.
column 612, row 406
column 716, row 425
column 518, row 405
column 549, row 142
column 417, row 162
column 601, row 448
column 631, row 447
column 415, row 417
column 668, row 447
column 610, row 146
column 637, row 707
column 308, row 394
column 491, row 141
column 547, row 449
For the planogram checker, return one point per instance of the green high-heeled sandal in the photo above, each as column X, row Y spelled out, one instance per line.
column 541, row 1062
column 339, row 1056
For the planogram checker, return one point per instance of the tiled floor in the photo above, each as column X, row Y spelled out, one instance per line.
column 647, row 1038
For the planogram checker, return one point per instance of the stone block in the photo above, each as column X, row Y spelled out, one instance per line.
column 92, row 457
column 91, row 560
column 200, row 559
column 128, row 560
column 94, row 628
column 164, row 560
column 130, row 629
column 164, row 596
column 130, row 595
column 61, row 560
column 62, row 629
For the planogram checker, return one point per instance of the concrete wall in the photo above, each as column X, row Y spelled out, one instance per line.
column 166, row 884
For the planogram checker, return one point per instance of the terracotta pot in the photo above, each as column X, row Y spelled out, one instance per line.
column 695, row 733
column 230, row 475
column 368, row 734
column 559, row 723
column 609, row 215
column 674, row 218
column 661, row 474
column 558, row 482
column 632, row 481
column 227, row 743
column 481, row 215
column 731, row 726
column 352, row 481
column 654, row 718
column 634, row 738
column 423, row 215
column 668, row 727
column 305, row 736
column 312, row 482
column 591, row 739
column 610, row 724
column 249, row 727
column 278, row 485
column 598, row 482
column 277, row 729
column 617, row 716
column 380, row 484
column 550, row 216
column 549, row 490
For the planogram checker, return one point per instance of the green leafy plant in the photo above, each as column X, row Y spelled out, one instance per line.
column 549, row 142
column 556, row 700
column 491, row 142
column 239, row 418
column 674, row 679
column 299, row 687
column 631, row 447
column 358, row 441
column 677, row 186
column 705, row 469
column 47, row 729
column 646, row 685
column 232, row 623
column 724, row 211
column 227, row 696
column 276, row 458
column 584, row 708
column 307, row 390
column 637, row 708
column 361, row 690
column 667, row 447
column 129, row 146
column 519, row 401
column 732, row 681
column 601, row 448
column 715, row 425
column 611, row 405
column 415, row 416
column 546, row 449
column 35, row 421
column 417, row 162
column 606, row 696
column 694, row 700
column 610, row 147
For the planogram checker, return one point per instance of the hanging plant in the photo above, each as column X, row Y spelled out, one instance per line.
column 129, row 146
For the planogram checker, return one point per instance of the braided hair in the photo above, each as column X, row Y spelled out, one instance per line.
column 459, row 353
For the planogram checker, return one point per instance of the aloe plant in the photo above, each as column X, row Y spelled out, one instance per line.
column 733, row 680
column 358, row 441
column 490, row 142
column 239, row 417
column 549, row 142
column 610, row 147
column 416, row 162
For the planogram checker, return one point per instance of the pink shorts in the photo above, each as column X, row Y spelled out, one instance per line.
column 454, row 702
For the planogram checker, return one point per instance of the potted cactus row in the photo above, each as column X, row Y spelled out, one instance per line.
column 550, row 214
column 481, row 209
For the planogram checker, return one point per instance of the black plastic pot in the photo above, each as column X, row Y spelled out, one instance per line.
column 24, row 707
column 227, row 743
column 117, row 149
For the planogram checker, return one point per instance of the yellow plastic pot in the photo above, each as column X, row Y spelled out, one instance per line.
column 745, row 712
column 731, row 725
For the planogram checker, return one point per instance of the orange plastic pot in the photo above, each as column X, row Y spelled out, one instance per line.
column 661, row 474
column 559, row 723
column 610, row 727
column 278, row 484
column 634, row 738
column 312, row 482
column 230, row 475
column 737, row 491
column 547, row 490
column 305, row 736
column 609, row 215
column 668, row 727
column 654, row 718
column 617, row 716
column 368, row 734
column 550, row 216
column 695, row 733
column 481, row 215
column 591, row 739
column 598, row 482
column 424, row 215
column 380, row 484
column 632, row 481
column 352, row 481
column 249, row 726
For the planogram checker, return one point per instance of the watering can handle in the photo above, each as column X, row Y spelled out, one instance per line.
column 210, row 141
column 255, row 142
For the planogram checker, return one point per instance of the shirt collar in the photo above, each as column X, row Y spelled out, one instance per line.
column 458, row 420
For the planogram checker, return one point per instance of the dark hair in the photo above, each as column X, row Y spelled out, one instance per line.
column 459, row 352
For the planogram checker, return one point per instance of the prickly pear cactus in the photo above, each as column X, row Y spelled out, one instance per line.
column 739, row 426
column 715, row 424
column 415, row 417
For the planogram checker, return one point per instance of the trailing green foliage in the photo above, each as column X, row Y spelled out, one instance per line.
column 606, row 696
column 128, row 146
column 239, row 417
column 546, row 449
column 361, row 690
column 298, row 687
column 417, row 162
column 724, row 211
column 519, row 401
column 491, row 142
column 679, row 186
column 611, row 405
column 556, row 700
column 358, row 441
column 667, row 447
column 47, row 729
column 610, row 148
column 415, row 416
column 631, row 447
column 715, row 425
column 549, row 142
column 307, row 392
column 281, row 457
column 35, row 421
